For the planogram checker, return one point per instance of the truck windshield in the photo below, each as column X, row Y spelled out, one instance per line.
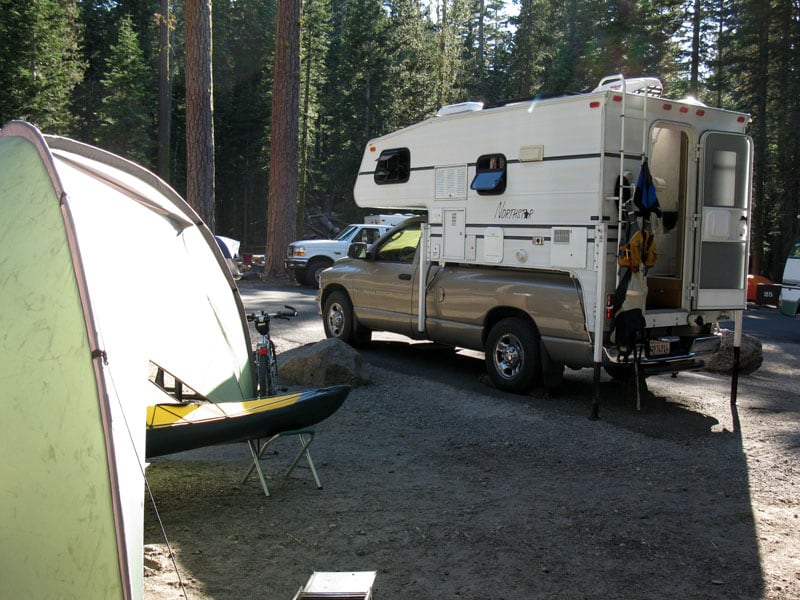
column 347, row 233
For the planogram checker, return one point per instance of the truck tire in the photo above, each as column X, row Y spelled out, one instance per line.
column 315, row 267
column 513, row 359
column 339, row 321
column 300, row 277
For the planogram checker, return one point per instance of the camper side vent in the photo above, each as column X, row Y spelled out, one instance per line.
column 451, row 182
column 561, row 236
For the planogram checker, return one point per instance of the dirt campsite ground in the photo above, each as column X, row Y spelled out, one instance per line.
column 447, row 494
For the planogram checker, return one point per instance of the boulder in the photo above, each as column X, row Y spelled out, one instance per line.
column 329, row 362
column 750, row 355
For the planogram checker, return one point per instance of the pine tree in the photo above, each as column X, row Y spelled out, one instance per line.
column 200, row 172
column 283, row 175
column 244, row 46
column 315, row 44
column 411, row 84
column 355, row 96
column 39, row 62
column 126, row 112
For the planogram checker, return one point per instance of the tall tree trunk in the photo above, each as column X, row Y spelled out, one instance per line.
column 760, row 138
column 301, row 203
column 199, row 111
column 283, row 176
column 164, row 91
column 695, row 66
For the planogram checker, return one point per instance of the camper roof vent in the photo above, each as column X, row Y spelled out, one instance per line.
column 461, row 107
column 637, row 85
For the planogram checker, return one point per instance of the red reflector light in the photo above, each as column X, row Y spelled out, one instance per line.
column 262, row 351
column 684, row 109
column 740, row 119
column 609, row 299
column 594, row 104
column 616, row 98
column 608, row 313
column 668, row 107
column 700, row 112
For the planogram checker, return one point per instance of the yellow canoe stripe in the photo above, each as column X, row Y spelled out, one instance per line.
column 166, row 415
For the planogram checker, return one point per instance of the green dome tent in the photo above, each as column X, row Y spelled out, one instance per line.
column 104, row 272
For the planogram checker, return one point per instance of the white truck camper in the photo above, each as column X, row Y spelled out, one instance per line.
column 562, row 185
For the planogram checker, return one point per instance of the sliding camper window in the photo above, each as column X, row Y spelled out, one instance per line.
column 490, row 175
column 394, row 166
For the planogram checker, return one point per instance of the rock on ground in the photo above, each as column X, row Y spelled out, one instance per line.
column 329, row 362
column 751, row 355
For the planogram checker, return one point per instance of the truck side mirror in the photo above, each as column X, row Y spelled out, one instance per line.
column 357, row 250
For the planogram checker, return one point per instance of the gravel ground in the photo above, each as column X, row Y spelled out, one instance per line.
column 449, row 494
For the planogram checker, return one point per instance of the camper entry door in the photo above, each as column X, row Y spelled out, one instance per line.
column 723, row 230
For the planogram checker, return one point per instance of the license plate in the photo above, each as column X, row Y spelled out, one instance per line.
column 658, row 347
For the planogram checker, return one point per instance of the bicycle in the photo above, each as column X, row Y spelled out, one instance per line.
column 264, row 357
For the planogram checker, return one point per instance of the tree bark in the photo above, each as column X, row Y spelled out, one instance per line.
column 694, row 75
column 283, row 171
column 199, row 111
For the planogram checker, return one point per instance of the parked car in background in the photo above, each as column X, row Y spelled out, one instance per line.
column 230, row 250
column 790, row 291
column 308, row 258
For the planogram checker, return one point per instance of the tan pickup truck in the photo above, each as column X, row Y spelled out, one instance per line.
column 530, row 324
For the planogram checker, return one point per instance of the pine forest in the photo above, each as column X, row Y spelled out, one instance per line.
column 193, row 91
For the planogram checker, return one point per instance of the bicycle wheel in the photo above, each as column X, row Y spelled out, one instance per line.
column 272, row 370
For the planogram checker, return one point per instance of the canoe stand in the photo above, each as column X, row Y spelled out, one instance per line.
column 257, row 449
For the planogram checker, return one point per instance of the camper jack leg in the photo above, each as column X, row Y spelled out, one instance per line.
column 737, row 343
column 595, row 414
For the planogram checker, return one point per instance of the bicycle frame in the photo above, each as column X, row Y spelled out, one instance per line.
column 265, row 358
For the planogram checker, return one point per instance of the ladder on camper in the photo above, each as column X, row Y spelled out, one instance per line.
column 646, row 87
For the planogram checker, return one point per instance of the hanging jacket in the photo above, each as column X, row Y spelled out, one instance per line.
column 645, row 198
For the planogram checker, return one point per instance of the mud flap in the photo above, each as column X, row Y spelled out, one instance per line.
column 552, row 371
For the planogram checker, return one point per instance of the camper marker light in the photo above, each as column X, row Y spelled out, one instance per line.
column 700, row 112
column 684, row 109
column 616, row 98
column 594, row 104
column 668, row 107
column 740, row 119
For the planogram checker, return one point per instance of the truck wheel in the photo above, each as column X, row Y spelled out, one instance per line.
column 315, row 268
column 512, row 355
column 300, row 277
column 339, row 321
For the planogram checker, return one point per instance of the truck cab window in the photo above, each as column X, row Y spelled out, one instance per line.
column 401, row 247
column 394, row 166
column 490, row 175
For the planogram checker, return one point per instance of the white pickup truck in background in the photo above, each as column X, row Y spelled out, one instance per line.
column 308, row 258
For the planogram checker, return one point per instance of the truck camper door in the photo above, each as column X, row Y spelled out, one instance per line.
column 723, row 225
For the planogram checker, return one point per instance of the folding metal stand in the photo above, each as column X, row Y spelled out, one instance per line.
column 257, row 449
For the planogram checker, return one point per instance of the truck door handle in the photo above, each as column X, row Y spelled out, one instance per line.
column 405, row 276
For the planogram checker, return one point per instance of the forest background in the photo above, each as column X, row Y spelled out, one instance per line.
column 117, row 74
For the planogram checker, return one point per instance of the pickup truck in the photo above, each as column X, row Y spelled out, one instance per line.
column 479, row 308
column 530, row 324
column 308, row 258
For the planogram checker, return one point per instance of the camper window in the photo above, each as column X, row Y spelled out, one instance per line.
column 490, row 175
column 394, row 166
